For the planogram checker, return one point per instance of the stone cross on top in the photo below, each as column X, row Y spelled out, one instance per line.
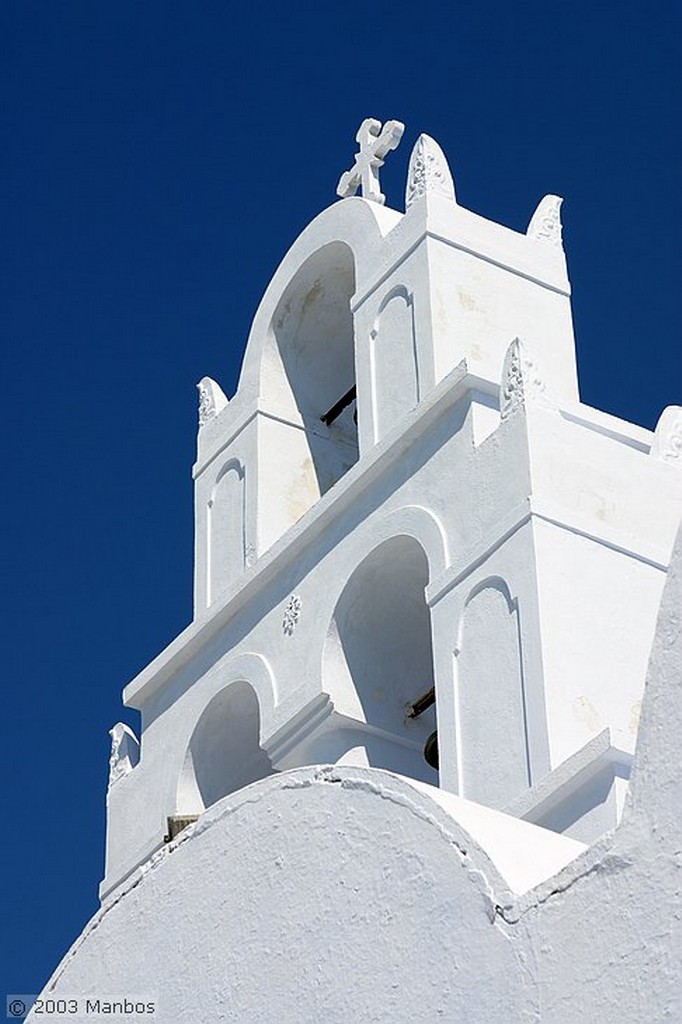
column 375, row 142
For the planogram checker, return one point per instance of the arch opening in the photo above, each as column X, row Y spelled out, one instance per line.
column 378, row 660
column 308, row 368
column 224, row 753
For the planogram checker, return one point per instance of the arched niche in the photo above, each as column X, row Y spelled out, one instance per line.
column 308, row 363
column 223, row 754
column 494, row 761
column 226, row 516
column 378, row 660
column 395, row 379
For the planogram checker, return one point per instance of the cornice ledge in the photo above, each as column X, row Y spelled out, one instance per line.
column 549, row 512
column 293, row 543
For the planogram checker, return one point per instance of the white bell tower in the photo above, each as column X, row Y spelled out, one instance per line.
column 407, row 524
column 389, row 771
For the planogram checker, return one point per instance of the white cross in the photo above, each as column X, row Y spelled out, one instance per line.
column 375, row 142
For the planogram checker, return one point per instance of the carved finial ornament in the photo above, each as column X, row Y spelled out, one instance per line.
column 375, row 142
column 545, row 224
column 667, row 446
column 212, row 399
column 428, row 172
column 521, row 380
column 125, row 752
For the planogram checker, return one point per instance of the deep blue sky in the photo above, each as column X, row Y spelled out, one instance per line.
column 159, row 159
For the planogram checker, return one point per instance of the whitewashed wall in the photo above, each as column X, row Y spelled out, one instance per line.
column 490, row 535
column 348, row 893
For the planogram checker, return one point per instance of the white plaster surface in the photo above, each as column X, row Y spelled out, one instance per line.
column 463, row 522
column 406, row 493
column 348, row 893
column 321, row 894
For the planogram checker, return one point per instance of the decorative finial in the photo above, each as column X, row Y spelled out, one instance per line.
column 125, row 752
column 428, row 172
column 212, row 399
column 667, row 446
column 521, row 380
column 375, row 142
column 545, row 224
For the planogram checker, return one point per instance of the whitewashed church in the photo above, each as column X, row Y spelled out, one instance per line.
column 417, row 757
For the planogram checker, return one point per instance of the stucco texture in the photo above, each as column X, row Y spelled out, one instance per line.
column 342, row 893
column 318, row 895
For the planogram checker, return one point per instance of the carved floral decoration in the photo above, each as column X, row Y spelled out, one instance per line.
column 428, row 172
column 292, row 614
column 212, row 399
column 545, row 224
column 521, row 379
column 125, row 752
